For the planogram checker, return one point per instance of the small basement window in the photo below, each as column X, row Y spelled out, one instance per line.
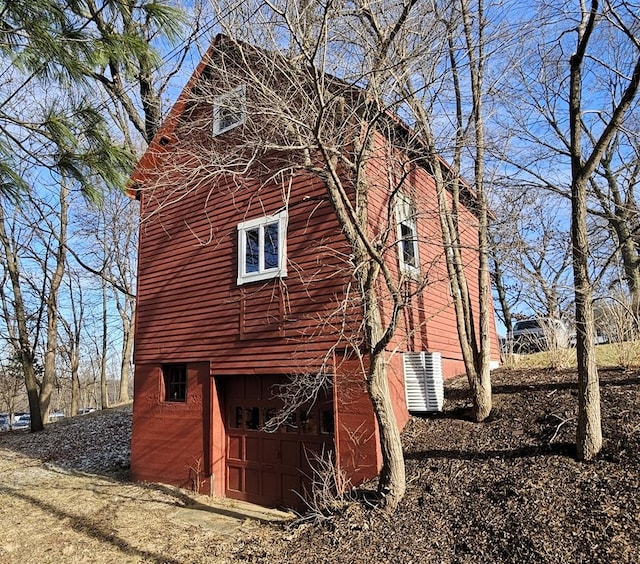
column 175, row 382
column 262, row 248
column 229, row 110
column 407, row 235
column 326, row 422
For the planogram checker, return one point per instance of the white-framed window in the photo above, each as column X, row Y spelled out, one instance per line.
column 407, row 235
column 262, row 248
column 229, row 110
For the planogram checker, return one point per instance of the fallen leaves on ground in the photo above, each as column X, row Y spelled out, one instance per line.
column 507, row 490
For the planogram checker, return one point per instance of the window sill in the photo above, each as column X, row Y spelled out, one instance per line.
column 247, row 279
column 410, row 273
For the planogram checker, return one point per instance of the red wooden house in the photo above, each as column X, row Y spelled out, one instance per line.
column 244, row 281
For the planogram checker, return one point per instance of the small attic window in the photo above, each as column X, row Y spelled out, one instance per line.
column 229, row 110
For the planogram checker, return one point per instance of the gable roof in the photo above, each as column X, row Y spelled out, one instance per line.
column 165, row 134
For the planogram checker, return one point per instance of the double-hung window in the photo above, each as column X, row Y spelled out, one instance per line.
column 262, row 248
column 229, row 110
column 407, row 235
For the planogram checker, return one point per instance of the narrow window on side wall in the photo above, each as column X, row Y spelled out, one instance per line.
column 407, row 235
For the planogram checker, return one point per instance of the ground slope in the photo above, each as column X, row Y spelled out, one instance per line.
column 508, row 490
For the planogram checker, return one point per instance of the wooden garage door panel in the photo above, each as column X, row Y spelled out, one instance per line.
column 252, row 452
column 234, row 478
column 271, row 484
column 234, row 449
column 270, row 451
column 290, row 453
column 269, row 468
column 252, row 479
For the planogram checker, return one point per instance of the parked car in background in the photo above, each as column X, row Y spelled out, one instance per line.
column 4, row 422
column 600, row 338
column 22, row 421
column 539, row 334
column 56, row 415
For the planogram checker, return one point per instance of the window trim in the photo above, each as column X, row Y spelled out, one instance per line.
column 262, row 273
column 239, row 93
column 406, row 217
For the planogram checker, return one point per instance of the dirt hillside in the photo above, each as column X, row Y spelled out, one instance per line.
column 508, row 490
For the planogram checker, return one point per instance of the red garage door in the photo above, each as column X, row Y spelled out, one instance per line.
column 271, row 468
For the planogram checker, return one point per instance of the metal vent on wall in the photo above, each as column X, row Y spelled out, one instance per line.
column 423, row 385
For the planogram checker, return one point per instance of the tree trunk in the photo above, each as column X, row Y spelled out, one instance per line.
column 75, row 383
column 456, row 276
column 392, row 481
column 104, row 390
column 127, row 350
column 49, row 377
column 21, row 342
column 621, row 212
column 392, row 484
column 498, row 283
column 589, row 431
column 482, row 400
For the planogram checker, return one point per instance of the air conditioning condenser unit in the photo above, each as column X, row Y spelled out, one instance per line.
column 423, row 384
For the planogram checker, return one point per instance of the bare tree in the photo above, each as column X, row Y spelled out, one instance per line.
column 458, row 66
column 104, row 391
column 583, row 166
column 73, row 331
column 530, row 245
column 476, row 349
column 613, row 185
column 111, row 258
column 17, row 317
column 58, row 254
column 121, row 237
column 336, row 127
column 535, row 118
column 564, row 119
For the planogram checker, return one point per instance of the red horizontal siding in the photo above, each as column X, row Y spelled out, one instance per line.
column 169, row 439
column 189, row 304
column 429, row 323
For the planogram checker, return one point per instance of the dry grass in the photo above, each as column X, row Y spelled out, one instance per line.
column 508, row 490
column 613, row 355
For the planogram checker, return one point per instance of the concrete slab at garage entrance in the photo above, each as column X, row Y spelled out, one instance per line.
column 226, row 515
